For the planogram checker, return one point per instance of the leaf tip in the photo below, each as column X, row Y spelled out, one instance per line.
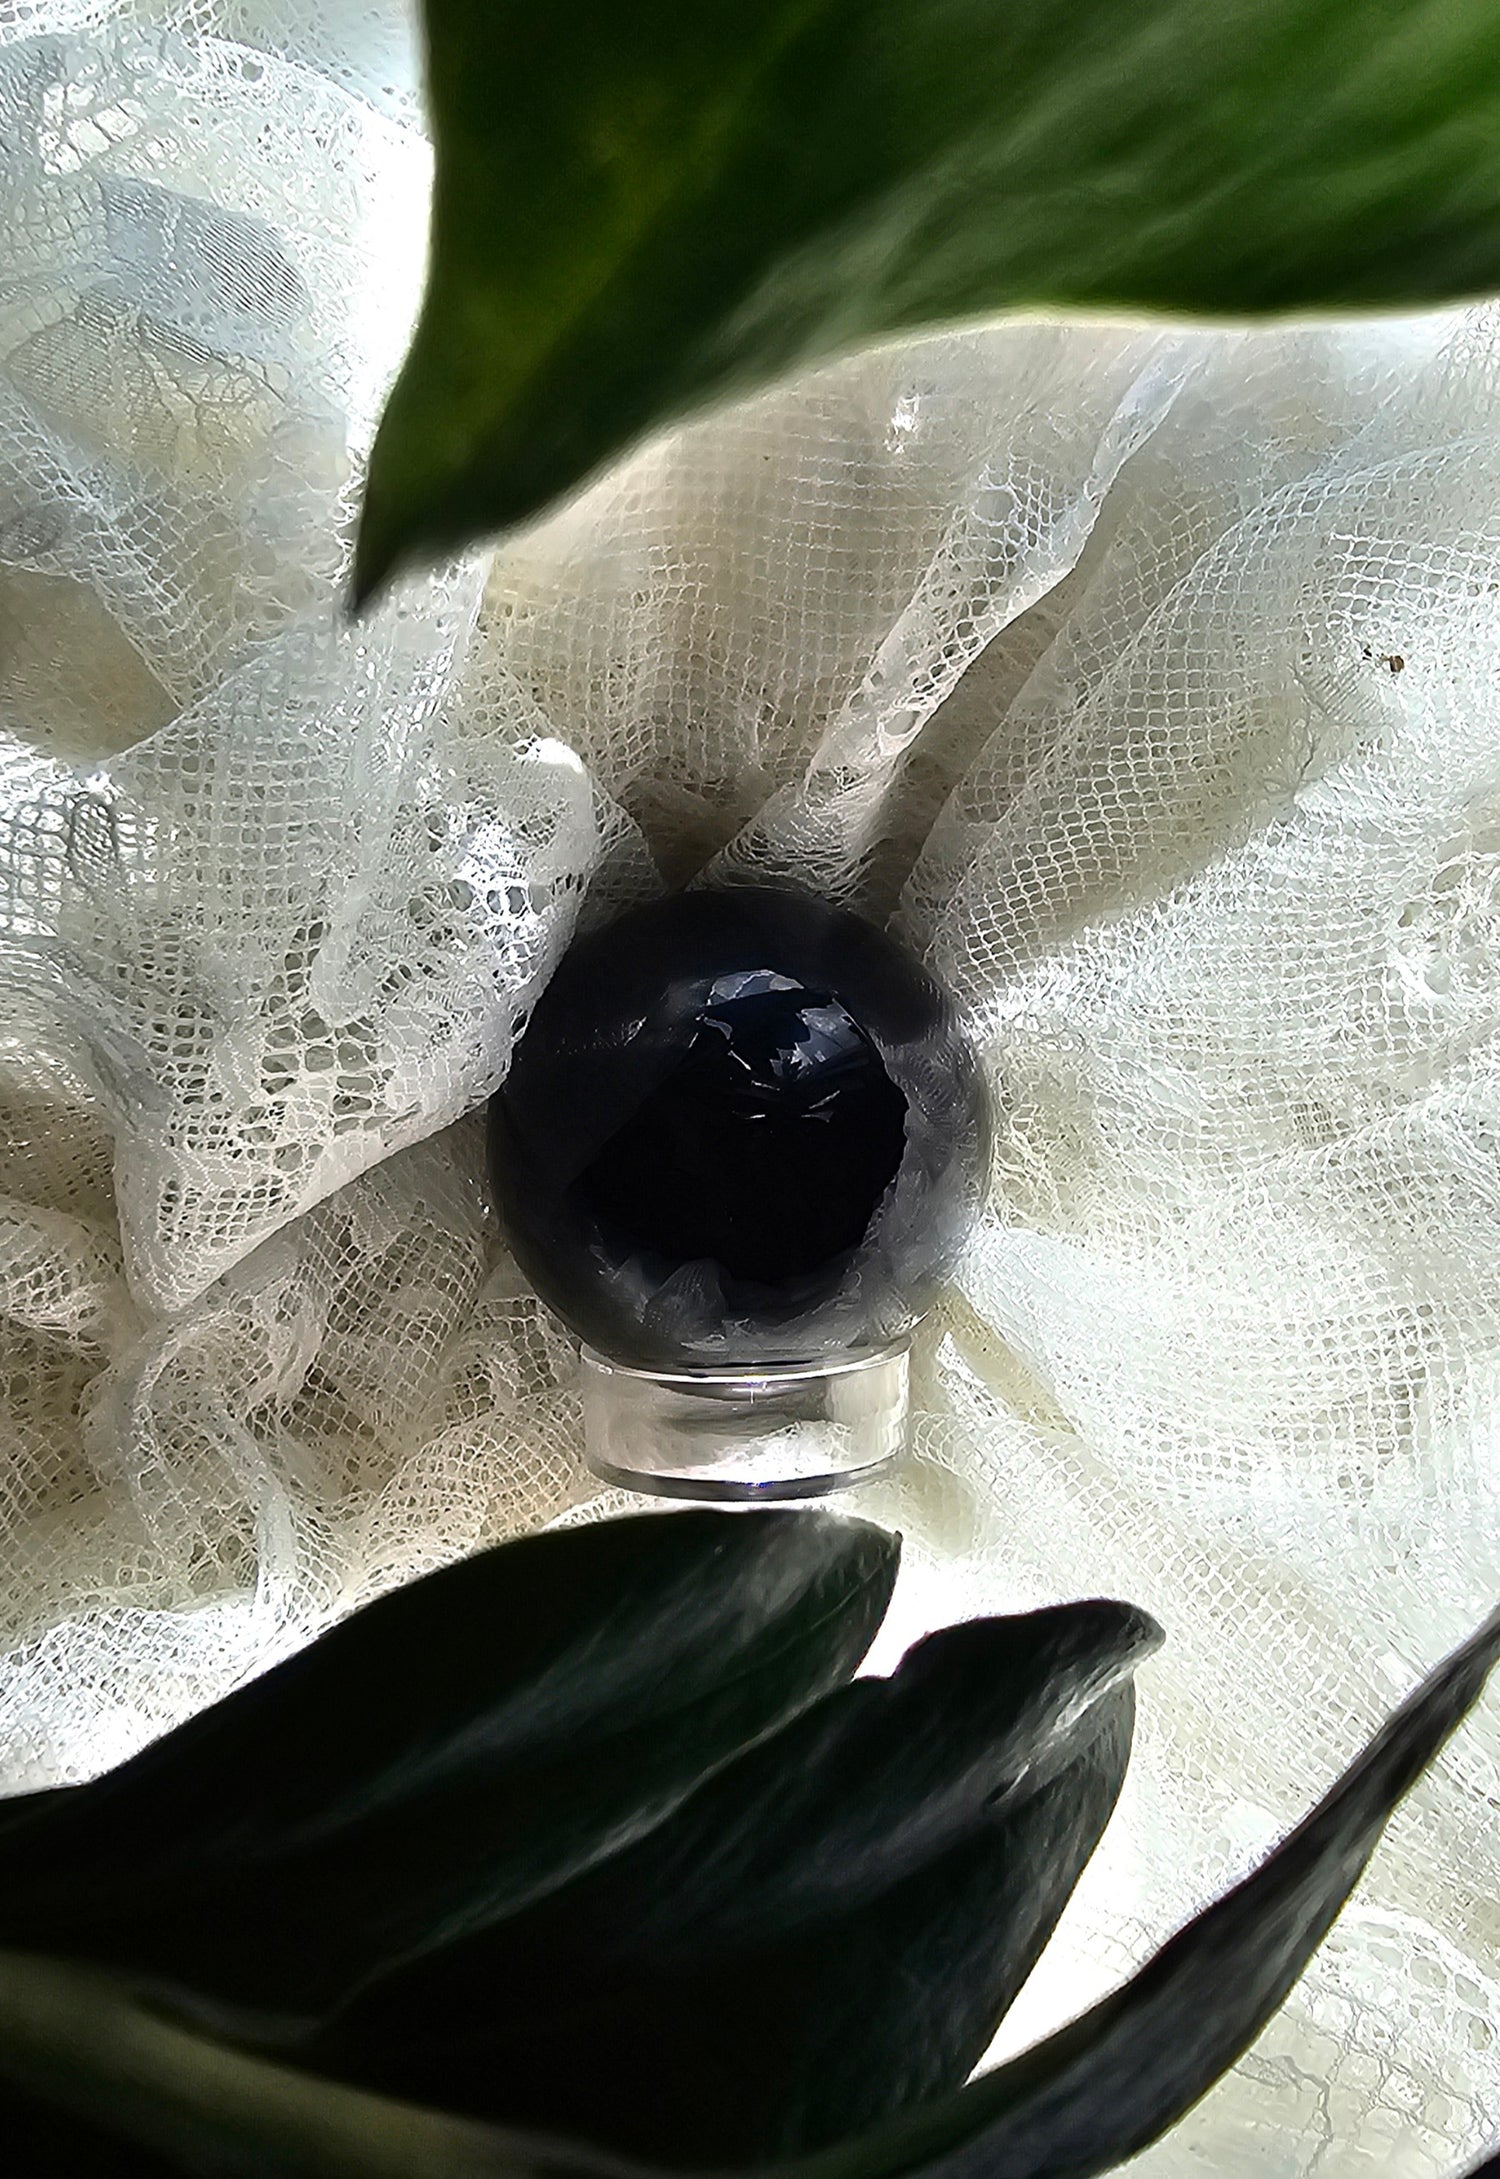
column 375, row 561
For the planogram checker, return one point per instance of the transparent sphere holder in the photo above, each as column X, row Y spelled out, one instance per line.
column 748, row 1434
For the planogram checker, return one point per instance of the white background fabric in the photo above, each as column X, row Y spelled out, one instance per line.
column 1148, row 679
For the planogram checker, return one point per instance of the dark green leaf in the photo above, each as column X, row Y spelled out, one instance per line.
column 777, row 2050
column 447, row 1754
column 641, row 209
column 157, row 2098
column 1114, row 2080
column 830, row 1929
column 1071, row 2107
column 43, row 2141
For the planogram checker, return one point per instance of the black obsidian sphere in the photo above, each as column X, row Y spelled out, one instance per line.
column 740, row 1127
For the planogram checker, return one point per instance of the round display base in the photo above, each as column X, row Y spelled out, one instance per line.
column 746, row 1436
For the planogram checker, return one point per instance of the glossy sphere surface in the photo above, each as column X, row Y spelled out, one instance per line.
column 741, row 1126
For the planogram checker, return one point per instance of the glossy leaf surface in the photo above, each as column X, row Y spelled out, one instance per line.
column 829, row 1930
column 642, row 209
column 446, row 1754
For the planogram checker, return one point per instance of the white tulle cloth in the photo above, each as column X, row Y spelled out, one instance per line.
column 1148, row 679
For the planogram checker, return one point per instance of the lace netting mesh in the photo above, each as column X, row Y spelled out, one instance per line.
column 1147, row 678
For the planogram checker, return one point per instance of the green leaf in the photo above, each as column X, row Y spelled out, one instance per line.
column 642, row 209
column 49, row 2143
column 1071, row 2107
column 148, row 2097
column 447, row 1754
column 830, row 1929
column 1115, row 2080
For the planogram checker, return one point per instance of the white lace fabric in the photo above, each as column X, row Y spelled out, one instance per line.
column 1150, row 681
